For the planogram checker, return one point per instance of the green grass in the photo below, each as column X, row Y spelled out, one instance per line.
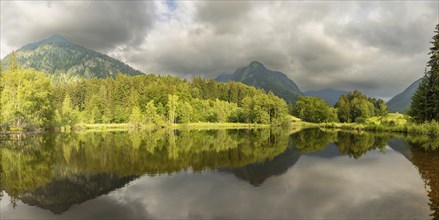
column 198, row 125
column 218, row 125
column 393, row 122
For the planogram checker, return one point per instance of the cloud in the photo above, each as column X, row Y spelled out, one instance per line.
column 377, row 47
column 99, row 25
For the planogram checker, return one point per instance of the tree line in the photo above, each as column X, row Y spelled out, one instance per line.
column 30, row 99
column 352, row 107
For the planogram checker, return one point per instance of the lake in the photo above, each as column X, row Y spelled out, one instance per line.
column 239, row 174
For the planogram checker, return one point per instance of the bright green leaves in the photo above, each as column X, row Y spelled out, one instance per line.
column 26, row 99
column 314, row 109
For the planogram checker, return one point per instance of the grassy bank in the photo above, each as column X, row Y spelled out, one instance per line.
column 128, row 126
column 391, row 123
column 207, row 125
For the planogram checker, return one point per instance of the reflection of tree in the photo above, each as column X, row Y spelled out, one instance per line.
column 423, row 142
column 356, row 144
column 35, row 166
column 313, row 140
column 428, row 166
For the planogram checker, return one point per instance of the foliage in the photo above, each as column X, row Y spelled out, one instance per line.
column 145, row 99
column 314, row 109
column 136, row 117
column 172, row 108
column 356, row 105
column 69, row 115
column 425, row 101
column 26, row 99
column 265, row 109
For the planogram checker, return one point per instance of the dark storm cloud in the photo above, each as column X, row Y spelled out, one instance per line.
column 378, row 47
column 100, row 25
column 224, row 17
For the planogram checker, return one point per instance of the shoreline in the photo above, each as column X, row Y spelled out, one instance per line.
column 131, row 127
column 429, row 129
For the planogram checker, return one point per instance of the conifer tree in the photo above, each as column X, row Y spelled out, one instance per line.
column 425, row 101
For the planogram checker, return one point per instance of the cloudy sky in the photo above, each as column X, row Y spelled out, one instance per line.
column 377, row 47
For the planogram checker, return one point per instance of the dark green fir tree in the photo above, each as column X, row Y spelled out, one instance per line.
column 425, row 101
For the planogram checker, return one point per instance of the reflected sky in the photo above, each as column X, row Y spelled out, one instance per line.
column 377, row 185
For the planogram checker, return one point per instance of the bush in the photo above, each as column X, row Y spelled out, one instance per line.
column 360, row 120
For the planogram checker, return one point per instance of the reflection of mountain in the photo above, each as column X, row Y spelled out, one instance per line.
column 400, row 146
column 257, row 173
column 59, row 195
column 57, row 171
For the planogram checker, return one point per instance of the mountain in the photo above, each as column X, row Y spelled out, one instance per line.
column 331, row 96
column 62, row 58
column 402, row 101
column 258, row 76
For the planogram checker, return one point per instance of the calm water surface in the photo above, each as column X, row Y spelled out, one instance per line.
column 244, row 174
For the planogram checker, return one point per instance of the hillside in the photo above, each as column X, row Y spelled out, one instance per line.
column 255, row 74
column 63, row 59
column 331, row 96
column 401, row 102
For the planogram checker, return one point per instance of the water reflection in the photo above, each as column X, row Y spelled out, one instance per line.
column 428, row 166
column 153, row 168
column 352, row 143
column 83, row 166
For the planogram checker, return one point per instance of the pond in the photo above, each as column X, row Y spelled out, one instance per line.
column 239, row 174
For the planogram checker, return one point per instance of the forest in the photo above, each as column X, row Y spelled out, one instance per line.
column 31, row 100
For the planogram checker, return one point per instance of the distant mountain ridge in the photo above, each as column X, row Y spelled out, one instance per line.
column 401, row 102
column 257, row 75
column 59, row 57
column 330, row 95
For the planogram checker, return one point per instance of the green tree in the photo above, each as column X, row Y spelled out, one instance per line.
column 355, row 105
column 425, row 101
column 184, row 112
column 151, row 115
column 13, row 61
column 380, row 107
column 26, row 99
column 69, row 115
column 314, row 109
column 172, row 108
column 136, row 117
column 343, row 107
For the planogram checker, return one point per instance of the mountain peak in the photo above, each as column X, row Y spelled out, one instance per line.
column 402, row 101
column 56, row 38
column 62, row 58
column 257, row 75
column 256, row 64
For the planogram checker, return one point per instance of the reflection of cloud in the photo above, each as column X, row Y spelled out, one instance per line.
column 375, row 186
